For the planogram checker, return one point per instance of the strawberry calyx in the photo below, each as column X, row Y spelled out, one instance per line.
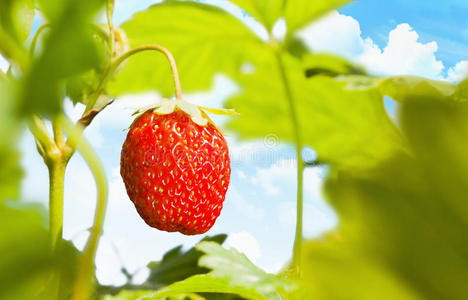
column 198, row 114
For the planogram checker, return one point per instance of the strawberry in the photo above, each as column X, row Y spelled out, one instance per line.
column 175, row 166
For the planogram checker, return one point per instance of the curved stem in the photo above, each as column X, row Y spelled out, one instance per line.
column 42, row 137
column 109, row 13
column 36, row 37
column 110, row 71
column 297, row 251
column 84, row 280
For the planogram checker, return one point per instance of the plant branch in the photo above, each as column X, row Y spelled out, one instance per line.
column 84, row 280
column 297, row 251
column 36, row 37
column 109, row 13
column 110, row 71
column 40, row 133
column 58, row 134
column 56, row 185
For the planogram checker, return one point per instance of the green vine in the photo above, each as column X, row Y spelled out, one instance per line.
column 84, row 283
column 297, row 250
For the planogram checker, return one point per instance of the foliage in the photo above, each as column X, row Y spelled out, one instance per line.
column 398, row 184
column 231, row 272
column 403, row 223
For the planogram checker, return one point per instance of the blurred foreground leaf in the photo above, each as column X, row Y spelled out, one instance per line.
column 69, row 49
column 10, row 129
column 346, row 128
column 26, row 261
column 204, row 40
column 299, row 13
column 403, row 225
column 16, row 17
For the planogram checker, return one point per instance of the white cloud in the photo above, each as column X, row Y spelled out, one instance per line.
column 237, row 200
column 279, row 181
column 246, row 243
column 403, row 54
column 458, row 72
column 335, row 33
column 241, row 174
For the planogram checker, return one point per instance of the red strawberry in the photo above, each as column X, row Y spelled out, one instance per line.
column 175, row 171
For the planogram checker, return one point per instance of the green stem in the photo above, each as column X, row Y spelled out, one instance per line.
column 56, row 184
column 110, row 71
column 300, row 164
column 83, row 287
column 109, row 13
column 35, row 38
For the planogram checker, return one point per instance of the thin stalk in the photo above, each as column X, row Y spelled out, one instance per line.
column 297, row 251
column 56, row 184
column 109, row 13
column 83, row 286
column 110, row 71
column 36, row 37
column 58, row 134
column 42, row 137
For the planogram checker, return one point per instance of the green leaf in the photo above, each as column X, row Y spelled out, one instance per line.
column 407, row 217
column 299, row 13
column 329, row 65
column 204, row 40
column 402, row 88
column 177, row 265
column 332, row 262
column 267, row 12
column 461, row 93
column 347, row 128
column 16, row 17
column 11, row 171
column 231, row 273
column 239, row 271
column 68, row 50
column 205, row 284
column 26, row 260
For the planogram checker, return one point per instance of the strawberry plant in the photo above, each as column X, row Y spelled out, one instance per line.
column 398, row 185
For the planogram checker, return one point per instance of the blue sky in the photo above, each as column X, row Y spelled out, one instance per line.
column 445, row 22
column 427, row 38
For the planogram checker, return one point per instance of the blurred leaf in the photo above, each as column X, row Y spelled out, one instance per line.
column 402, row 88
column 68, row 50
column 347, row 128
column 82, row 87
column 11, row 171
column 26, row 260
column 267, row 12
column 334, row 270
column 299, row 13
column 461, row 93
column 204, row 40
column 329, row 65
column 407, row 219
column 16, row 17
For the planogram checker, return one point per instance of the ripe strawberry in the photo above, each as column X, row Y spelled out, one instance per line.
column 176, row 171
